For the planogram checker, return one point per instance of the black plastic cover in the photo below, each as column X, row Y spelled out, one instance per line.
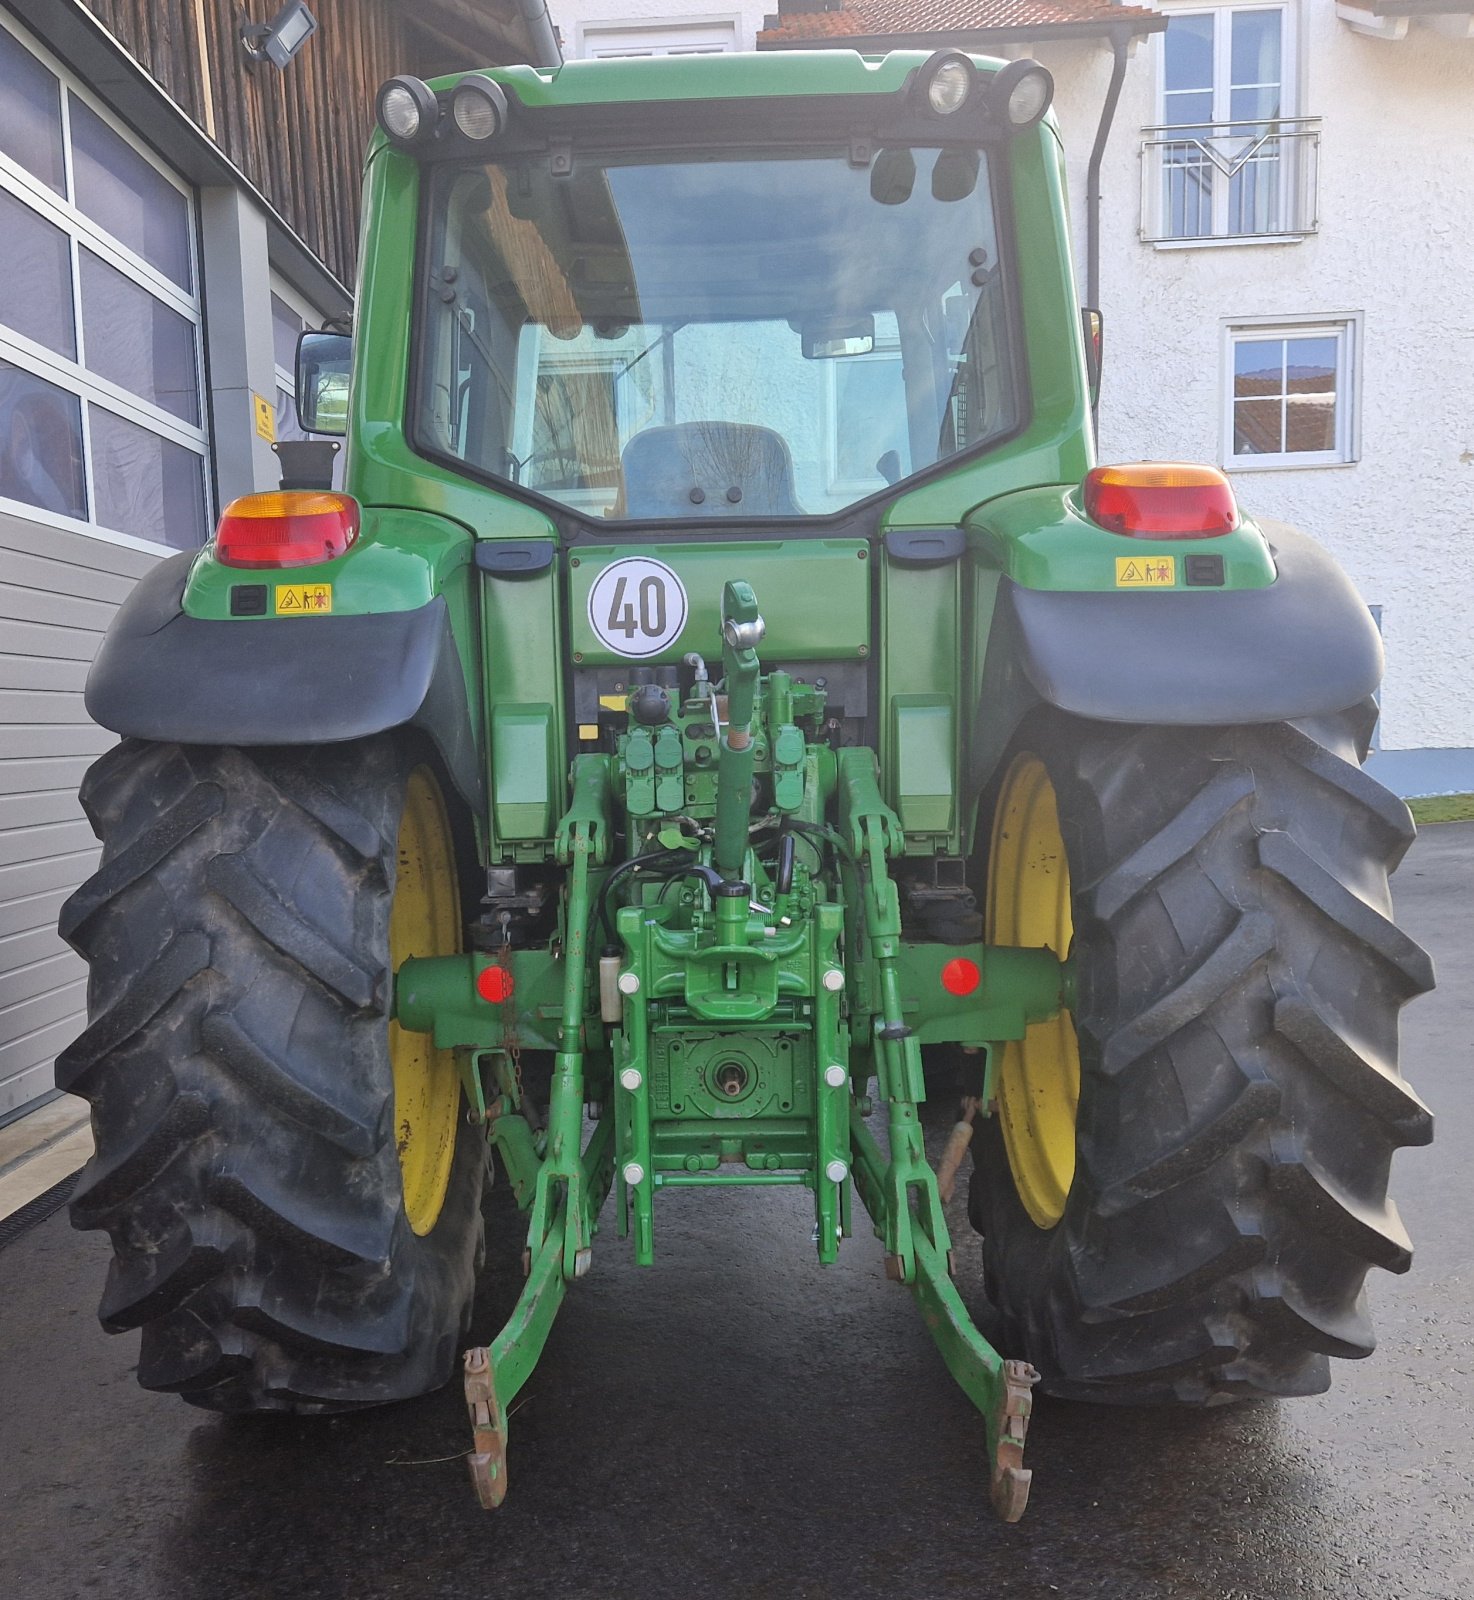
column 924, row 547
column 166, row 676
column 515, row 558
column 1304, row 646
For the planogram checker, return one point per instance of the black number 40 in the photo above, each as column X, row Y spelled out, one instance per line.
column 651, row 617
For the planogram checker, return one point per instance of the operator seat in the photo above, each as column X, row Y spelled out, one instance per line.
column 726, row 469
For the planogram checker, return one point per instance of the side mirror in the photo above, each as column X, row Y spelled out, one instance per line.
column 324, row 361
column 838, row 336
column 1093, row 325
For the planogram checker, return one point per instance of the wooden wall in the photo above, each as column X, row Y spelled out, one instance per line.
column 300, row 135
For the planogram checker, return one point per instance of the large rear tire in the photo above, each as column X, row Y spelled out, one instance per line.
column 258, row 1123
column 1228, row 1084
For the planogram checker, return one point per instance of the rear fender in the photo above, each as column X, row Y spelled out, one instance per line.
column 170, row 677
column 1303, row 646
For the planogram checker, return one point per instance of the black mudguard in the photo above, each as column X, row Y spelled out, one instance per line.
column 1302, row 647
column 169, row 677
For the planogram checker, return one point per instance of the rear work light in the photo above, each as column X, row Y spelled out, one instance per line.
column 286, row 528
column 1161, row 500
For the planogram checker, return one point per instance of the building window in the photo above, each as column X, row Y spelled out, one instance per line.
column 1290, row 394
column 101, row 413
column 1228, row 158
column 689, row 37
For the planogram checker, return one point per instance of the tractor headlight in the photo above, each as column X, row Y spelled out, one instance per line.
column 407, row 110
column 946, row 81
column 1019, row 96
column 478, row 107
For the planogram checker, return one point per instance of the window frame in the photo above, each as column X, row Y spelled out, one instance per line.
column 286, row 377
column 817, row 525
column 73, row 376
column 1346, row 328
column 662, row 33
column 1290, row 98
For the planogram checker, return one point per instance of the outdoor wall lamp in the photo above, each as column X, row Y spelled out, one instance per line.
column 280, row 39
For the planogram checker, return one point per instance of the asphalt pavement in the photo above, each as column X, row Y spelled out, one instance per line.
column 739, row 1422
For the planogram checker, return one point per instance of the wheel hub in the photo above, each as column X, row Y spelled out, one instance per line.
column 424, row 920
column 1028, row 904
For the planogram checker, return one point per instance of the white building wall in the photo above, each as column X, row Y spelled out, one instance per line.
column 1393, row 245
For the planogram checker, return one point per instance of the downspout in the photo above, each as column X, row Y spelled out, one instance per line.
column 546, row 51
column 1120, row 38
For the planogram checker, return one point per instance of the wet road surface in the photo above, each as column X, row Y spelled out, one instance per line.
column 740, row 1423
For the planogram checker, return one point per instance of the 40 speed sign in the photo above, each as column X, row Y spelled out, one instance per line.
column 637, row 607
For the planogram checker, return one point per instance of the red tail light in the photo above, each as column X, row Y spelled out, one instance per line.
column 287, row 528
column 1161, row 500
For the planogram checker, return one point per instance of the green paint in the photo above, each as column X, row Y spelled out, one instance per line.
column 788, row 575
column 1042, row 539
column 1015, row 988
column 522, row 674
column 524, row 765
column 735, row 758
column 714, row 77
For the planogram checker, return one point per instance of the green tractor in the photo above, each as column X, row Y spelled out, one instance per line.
column 729, row 689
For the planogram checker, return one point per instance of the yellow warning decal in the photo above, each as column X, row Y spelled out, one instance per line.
column 265, row 418
column 614, row 702
column 1146, row 572
column 304, row 599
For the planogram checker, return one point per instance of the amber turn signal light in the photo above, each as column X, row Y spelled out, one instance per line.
column 1161, row 500
column 286, row 528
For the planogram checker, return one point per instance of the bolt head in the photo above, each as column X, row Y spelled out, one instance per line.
column 836, row 1172
column 835, row 1076
column 630, row 1079
column 833, row 980
column 634, row 1174
column 629, row 983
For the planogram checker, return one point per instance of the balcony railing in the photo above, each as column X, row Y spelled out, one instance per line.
column 1230, row 180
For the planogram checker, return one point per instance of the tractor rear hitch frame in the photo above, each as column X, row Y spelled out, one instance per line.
column 739, row 997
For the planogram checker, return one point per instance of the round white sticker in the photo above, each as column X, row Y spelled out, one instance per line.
column 637, row 607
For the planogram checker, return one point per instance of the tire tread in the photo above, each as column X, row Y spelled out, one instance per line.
column 1240, row 978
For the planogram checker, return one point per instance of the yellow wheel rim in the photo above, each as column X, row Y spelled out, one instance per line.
column 1028, row 904
column 424, row 920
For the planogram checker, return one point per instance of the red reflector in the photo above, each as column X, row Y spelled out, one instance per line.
column 287, row 528
column 494, row 985
column 1161, row 500
column 961, row 976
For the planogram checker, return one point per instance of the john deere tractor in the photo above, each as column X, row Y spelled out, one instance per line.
column 727, row 690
